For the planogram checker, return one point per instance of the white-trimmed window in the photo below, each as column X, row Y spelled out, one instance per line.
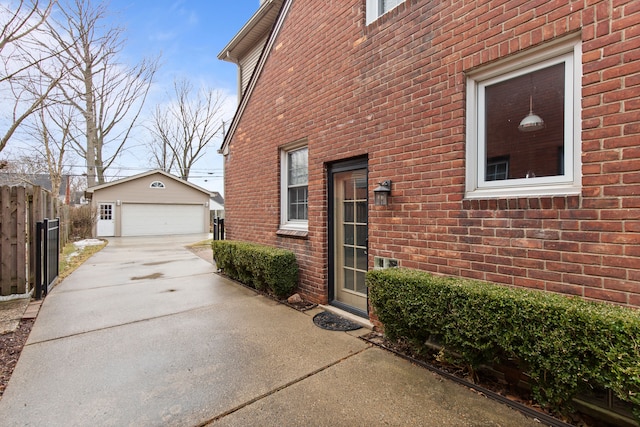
column 377, row 8
column 157, row 184
column 294, row 187
column 523, row 125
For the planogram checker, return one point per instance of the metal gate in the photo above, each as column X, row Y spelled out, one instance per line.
column 47, row 255
column 218, row 229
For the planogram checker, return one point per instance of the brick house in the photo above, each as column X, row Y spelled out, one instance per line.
column 509, row 131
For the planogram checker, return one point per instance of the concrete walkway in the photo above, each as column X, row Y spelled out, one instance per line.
column 145, row 334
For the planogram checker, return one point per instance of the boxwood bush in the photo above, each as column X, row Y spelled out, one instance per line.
column 566, row 345
column 262, row 267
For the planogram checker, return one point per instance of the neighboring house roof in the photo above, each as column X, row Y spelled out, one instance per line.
column 141, row 175
column 216, row 197
column 277, row 25
column 215, row 206
column 40, row 179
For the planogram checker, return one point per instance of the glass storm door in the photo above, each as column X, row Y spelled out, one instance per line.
column 350, row 239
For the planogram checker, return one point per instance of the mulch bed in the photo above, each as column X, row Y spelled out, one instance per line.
column 300, row 306
column 11, row 345
column 484, row 379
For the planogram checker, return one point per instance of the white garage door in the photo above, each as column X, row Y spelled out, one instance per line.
column 150, row 219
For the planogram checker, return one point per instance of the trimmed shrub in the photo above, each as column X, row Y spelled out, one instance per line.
column 262, row 267
column 566, row 345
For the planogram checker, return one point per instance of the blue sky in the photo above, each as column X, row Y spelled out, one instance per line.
column 188, row 34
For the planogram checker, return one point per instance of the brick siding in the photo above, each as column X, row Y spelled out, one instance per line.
column 394, row 91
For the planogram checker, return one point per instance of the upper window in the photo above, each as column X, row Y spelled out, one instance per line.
column 295, row 192
column 523, row 125
column 377, row 8
column 106, row 211
column 157, row 184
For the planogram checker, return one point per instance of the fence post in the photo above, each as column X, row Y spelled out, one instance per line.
column 36, row 216
column 21, row 240
column 53, row 238
column 38, row 260
column 5, row 240
column 45, row 257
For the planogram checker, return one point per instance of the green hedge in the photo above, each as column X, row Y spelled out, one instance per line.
column 261, row 267
column 566, row 345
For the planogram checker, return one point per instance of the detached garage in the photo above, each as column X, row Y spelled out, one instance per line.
column 151, row 203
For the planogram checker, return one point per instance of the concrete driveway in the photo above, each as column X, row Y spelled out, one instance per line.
column 145, row 334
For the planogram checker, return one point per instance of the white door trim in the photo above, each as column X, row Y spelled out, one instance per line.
column 106, row 226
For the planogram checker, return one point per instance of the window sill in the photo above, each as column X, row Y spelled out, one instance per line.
column 554, row 190
column 375, row 17
column 295, row 234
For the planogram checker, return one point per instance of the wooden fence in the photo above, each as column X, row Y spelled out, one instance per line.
column 21, row 208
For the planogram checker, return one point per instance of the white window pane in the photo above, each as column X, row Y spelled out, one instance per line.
column 294, row 197
column 387, row 5
column 537, row 153
column 507, row 159
column 298, row 169
column 298, row 202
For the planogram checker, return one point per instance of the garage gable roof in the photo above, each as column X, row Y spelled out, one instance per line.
column 145, row 174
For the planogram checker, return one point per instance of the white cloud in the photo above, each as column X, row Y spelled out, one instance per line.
column 162, row 36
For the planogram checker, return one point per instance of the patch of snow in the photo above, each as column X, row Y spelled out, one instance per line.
column 15, row 296
column 87, row 242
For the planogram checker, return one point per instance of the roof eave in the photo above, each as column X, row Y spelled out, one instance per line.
column 90, row 190
column 224, row 147
column 229, row 53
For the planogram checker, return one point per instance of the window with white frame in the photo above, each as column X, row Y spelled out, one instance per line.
column 377, row 8
column 295, row 192
column 497, row 168
column 157, row 184
column 523, row 125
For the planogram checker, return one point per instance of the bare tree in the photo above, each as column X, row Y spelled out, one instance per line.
column 77, row 185
column 184, row 127
column 53, row 125
column 21, row 56
column 108, row 94
column 161, row 155
column 25, row 169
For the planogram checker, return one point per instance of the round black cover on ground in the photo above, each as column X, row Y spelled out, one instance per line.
column 332, row 322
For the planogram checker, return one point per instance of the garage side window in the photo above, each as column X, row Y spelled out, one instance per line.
column 157, row 184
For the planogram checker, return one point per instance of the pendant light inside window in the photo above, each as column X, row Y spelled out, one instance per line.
column 532, row 122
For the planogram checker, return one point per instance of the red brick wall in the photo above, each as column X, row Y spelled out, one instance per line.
column 395, row 92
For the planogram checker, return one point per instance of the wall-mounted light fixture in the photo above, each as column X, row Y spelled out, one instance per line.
column 118, row 202
column 382, row 192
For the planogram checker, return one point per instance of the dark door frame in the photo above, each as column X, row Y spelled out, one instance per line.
column 333, row 168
